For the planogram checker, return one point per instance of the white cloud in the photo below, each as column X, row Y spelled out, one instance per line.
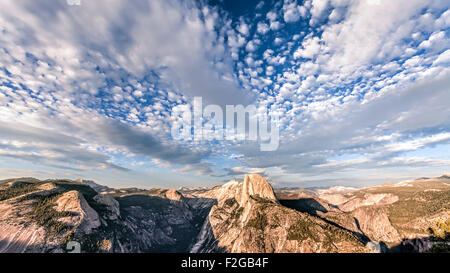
column 243, row 29
column 444, row 58
column 310, row 48
column 434, row 39
column 138, row 93
column 272, row 16
column 444, row 20
column 318, row 8
column 278, row 41
column 292, row 12
column 375, row 33
column 275, row 25
column 413, row 145
column 251, row 46
column 262, row 28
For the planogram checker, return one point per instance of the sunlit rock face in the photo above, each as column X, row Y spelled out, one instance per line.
column 248, row 218
column 82, row 215
column 257, row 186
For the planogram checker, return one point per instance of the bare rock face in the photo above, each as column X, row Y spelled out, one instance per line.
column 47, row 187
column 334, row 198
column 83, row 216
column 31, row 222
column 375, row 223
column 173, row 195
column 249, row 219
column 255, row 185
column 16, row 237
column 112, row 205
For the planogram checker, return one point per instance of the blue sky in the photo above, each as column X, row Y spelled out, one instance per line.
column 362, row 89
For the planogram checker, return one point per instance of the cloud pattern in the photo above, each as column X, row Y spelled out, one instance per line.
column 362, row 87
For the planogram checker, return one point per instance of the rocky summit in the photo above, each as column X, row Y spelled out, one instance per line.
column 253, row 221
column 240, row 217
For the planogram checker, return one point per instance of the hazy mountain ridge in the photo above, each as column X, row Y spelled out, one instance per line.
column 395, row 213
column 248, row 216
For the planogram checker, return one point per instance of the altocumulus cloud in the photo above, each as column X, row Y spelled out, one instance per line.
column 361, row 85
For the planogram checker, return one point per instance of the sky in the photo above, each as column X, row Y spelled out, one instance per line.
column 362, row 88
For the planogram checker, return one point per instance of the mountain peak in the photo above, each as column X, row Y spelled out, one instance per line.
column 174, row 195
column 256, row 185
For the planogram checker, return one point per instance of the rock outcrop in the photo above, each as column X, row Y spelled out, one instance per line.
column 82, row 215
column 375, row 224
column 249, row 219
column 111, row 204
column 255, row 186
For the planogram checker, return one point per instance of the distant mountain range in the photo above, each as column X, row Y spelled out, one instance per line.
column 239, row 217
